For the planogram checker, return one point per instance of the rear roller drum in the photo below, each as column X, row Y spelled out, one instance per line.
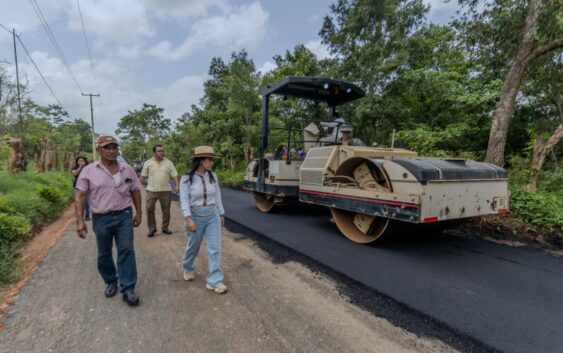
column 359, row 227
column 264, row 202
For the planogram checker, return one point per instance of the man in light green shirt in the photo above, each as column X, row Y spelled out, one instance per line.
column 159, row 170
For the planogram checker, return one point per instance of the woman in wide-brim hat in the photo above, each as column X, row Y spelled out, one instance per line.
column 200, row 198
column 203, row 152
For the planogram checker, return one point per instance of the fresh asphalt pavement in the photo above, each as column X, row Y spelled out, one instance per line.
column 510, row 299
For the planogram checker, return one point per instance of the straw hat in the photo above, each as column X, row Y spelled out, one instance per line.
column 204, row 152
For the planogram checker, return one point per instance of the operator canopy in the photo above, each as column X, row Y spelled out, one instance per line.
column 333, row 92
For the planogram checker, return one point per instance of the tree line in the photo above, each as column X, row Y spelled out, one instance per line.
column 485, row 86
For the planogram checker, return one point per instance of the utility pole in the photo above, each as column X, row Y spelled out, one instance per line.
column 92, row 117
column 18, row 87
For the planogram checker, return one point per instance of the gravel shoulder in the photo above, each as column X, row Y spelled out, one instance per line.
column 270, row 306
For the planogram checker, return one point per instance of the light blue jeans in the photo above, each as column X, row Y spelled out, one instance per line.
column 208, row 224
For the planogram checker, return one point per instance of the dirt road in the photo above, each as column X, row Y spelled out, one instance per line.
column 270, row 307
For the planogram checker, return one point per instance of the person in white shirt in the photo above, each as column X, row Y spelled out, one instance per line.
column 200, row 199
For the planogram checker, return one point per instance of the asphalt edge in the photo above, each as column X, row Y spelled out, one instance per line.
column 367, row 298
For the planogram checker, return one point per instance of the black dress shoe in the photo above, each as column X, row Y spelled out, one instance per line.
column 166, row 231
column 131, row 298
column 151, row 234
column 111, row 289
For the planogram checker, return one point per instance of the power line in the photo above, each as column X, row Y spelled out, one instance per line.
column 52, row 38
column 6, row 29
column 87, row 46
column 34, row 64
column 39, row 71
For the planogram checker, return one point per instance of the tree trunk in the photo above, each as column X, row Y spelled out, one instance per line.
column 541, row 150
column 247, row 153
column 17, row 162
column 233, row 164
column 47, row 158
column 525, row 53
column 503, row 113
column 248, row 146
column 69, row 160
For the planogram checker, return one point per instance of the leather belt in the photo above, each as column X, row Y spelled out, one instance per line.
column 113, row 212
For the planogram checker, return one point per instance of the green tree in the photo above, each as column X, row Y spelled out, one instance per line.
column 508, row 37
column 370, row 38
column 140, row 128
column 228, row 110
column 243, row 103
column 299, row 62
column 8, row 102
column 417, row 76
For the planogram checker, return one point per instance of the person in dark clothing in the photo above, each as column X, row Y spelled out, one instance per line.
column 79, row 164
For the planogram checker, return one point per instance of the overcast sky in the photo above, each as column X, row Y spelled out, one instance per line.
column 153, row 51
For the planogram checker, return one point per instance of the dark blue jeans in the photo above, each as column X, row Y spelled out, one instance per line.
column 119, row 227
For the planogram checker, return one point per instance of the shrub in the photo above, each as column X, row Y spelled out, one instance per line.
column 26, row 200
column 53, row 195
column 551, row 181
column 536, row 207
column 12, row 229
column 229, row 178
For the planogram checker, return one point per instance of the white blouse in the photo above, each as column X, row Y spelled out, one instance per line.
column 193, row 194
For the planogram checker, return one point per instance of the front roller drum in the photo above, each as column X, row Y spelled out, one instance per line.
column 359, row 227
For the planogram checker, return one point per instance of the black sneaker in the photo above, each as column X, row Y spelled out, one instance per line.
column 166, row 231
column 151, row 234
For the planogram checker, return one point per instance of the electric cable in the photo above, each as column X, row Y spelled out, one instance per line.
column 89, row 53
column 53, row 39
column 39, row 71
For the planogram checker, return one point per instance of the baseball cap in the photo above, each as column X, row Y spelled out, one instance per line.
column 106, row 140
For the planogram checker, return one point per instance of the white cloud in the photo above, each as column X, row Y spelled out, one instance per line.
column 242, row 28
column 110, row 21
column 129, row 52
column 267, row 67
column 121, row 34
column 318, row 48
column 21, row 15
column 179, row 9
column 108, row 109
column 177, row 98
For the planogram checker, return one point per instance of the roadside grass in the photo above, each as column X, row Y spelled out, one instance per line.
column 27, row 200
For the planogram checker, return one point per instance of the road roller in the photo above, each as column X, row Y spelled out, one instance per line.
column 370, row 191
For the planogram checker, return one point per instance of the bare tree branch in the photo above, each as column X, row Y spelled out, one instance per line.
column 558, row 43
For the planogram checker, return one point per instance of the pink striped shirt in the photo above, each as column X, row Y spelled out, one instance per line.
column 103, row 192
